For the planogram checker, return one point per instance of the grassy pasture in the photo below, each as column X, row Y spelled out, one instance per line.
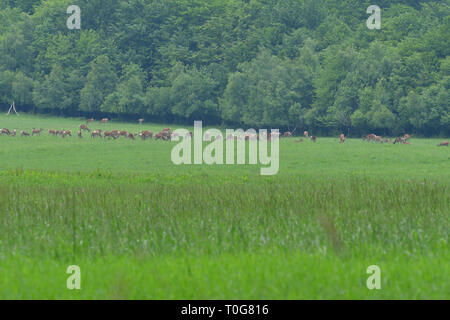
column 141, row 227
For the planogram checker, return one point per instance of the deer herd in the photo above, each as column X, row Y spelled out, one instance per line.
column 166, row 134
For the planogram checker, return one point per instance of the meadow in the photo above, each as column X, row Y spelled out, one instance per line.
column 141, row 227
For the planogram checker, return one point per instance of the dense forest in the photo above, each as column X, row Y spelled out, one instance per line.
column 306, row 64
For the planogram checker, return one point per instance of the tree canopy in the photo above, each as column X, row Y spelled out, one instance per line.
column 307, row 64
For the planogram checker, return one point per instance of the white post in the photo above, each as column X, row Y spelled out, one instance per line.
column 12, row 107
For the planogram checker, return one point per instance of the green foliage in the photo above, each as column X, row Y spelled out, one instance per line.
column 101, row 82
column 295, row 63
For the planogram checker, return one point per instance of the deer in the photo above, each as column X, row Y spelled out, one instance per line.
column 96, row 133
column 84, row 128
column 5, row 131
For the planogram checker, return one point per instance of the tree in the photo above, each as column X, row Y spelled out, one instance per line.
column 129, row 96
column 101, row 81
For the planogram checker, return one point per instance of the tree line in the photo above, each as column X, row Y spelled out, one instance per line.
column 306, row 64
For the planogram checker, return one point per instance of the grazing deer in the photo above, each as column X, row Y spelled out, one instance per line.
column 90, row 120
column 104, row 120
column 379, row 139
column 123, row 134
column 313, row 139
column 443, row 144
column 96, row 133
column 65, row 133
column 5, row 131
column 399, row 140
column 84, row 128
column 24, row 134
column 146, row 134
column 287, row 134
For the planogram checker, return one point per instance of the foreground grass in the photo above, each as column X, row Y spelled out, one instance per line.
column 271, row 274
column 285, row 238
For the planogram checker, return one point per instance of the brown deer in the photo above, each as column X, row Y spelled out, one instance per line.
column 104, row 120
column 90, row 120
column 146, row 134
column 306, row 134
column 399, row 140
column 84, row 128
column 141, row 121
column 5, row 131
column 313, row 139
column 287, row 134
column 123, row 134
column 342, row 138
column 443, row 144
column 24, row 134
column 96, row 133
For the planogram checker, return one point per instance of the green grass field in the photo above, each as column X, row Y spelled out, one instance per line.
column 141, row 227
